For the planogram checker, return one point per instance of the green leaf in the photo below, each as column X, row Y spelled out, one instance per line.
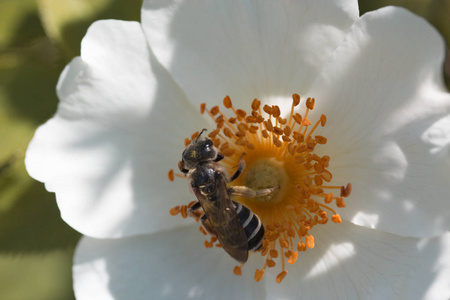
column 36, row 245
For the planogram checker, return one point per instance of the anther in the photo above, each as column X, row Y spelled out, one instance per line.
column 227, row 102
column 323, row 120
column 268, row 125
column 215, row 110
column 310, row 241
column 170, row 175
column 277, row 142
column 273, row 253
column 306, row 122
column 281, row 276
column 259, row 274
column 270, row 263
column 175, row 210
column 296, row 99
column 293, row 258
column 326, row 175
column 336, row 218
column 310, row 103
column 277, row 130
column 329, row 198
column 340, row 202
column 237, row 271
column 267, row 109
column 276, row 112
column 301, row 247
column 256, row 104
column 202, row 108
column 320, row 139
column 184, row 213
column 298, row 118
column 345, row 192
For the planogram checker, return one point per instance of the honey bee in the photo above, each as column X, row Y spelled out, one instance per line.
column 236, row 227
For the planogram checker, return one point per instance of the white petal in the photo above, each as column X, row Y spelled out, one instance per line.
column 166, row 265
column 119, row 128
column 386, row 106
column 355, row 262
column 348, row 262
column 245, row 49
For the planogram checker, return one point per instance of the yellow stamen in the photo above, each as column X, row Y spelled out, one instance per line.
column 279, row 152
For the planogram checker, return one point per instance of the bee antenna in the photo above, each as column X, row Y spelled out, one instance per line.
column 204, row 129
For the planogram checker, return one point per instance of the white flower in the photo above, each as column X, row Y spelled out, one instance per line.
column 130, row 100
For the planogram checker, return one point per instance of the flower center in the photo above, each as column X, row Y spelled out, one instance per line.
column 265, row 173
column 278, row 152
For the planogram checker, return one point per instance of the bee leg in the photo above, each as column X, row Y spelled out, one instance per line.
column 240, row 169
column 243, row 191
column 182, row 168
column 207, row 225
column 193, row 210
column 219, row 157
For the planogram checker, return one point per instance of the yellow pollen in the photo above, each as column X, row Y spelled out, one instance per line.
column 278, row 152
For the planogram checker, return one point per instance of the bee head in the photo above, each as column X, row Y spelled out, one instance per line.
column 199, row 151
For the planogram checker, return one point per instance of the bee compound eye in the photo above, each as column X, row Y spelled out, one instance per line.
column 209, row 143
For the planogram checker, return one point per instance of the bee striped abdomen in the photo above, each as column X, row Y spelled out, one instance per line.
column 254, row 229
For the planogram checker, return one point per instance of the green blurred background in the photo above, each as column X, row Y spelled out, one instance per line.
column 37, row 39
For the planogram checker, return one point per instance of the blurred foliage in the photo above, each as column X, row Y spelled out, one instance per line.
column 66, row 21
column 37, row 38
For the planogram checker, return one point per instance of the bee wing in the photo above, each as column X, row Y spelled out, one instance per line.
column 224, row 221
